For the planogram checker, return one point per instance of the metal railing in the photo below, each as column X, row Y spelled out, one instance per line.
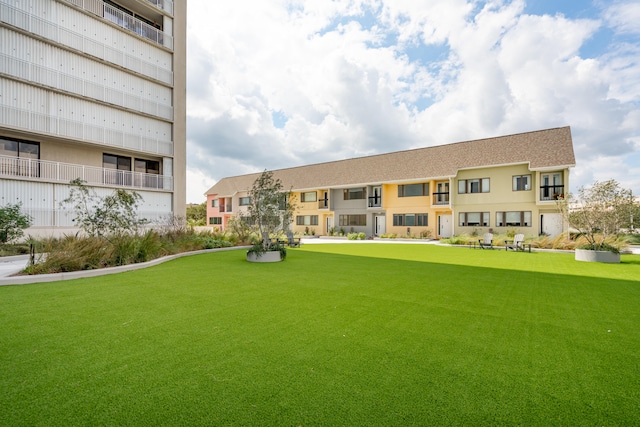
column 66, row 172
column 375, row 201
column 323, row 204
column 124, row 20
column 57, row 33
column 441, row 198
column 551, row 192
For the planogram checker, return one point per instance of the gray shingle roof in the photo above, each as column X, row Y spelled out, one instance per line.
column 544, row 149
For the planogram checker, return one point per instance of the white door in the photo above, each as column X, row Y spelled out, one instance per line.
column 329, row 223
column 381, row 225
column 444, row 226
column 551, row 224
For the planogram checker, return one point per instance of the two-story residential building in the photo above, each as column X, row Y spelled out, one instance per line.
column 95, row 90
column 504, row 183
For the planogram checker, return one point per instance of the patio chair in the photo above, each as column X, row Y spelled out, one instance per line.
column 292, row 241
column 516, row 244
column 486, row 241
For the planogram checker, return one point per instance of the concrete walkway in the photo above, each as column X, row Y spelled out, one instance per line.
column 13, row 264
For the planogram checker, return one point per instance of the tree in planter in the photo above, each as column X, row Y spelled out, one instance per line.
column 12, row 223
column 599, row 212
column 271, row 208
column 114, row 214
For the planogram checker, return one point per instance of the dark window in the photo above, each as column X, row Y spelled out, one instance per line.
column 147, row 173
column 215, row 220
column 244, row 201
column 214, row 203
column 27, row 153
column 307, row 220
column 513, row 219
column 117, row 169
column 478, row 185
column 354, row 193
column 352, row 220
column 411, row 220
column 473, row 219
column 413, row 190
column 521, row 183
column 310, row 196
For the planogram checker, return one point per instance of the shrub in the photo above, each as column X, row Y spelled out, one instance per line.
column 12, row 223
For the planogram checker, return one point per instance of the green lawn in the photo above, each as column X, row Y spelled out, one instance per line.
column 352, row 334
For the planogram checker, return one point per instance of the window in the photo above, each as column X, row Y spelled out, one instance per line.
column 513, row 219
column 522, row 183
column 26, row 151
column 307, row 220
column 119, row 169
column 215, row 220
column 346, row 220
column 310, row 196
column 412, row 190
column 244, row 201
column 354, row 193
column 473, row 219
column 480, row 185
column 411, row 220
column 215, row 203
column 152, row 170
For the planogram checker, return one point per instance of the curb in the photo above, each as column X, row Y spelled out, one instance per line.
column 43, row 278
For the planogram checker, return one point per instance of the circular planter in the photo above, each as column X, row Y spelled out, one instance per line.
column 269, row 256
column 597, row 256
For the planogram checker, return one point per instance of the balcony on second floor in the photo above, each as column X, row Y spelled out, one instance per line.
column 440, row 199
column 43, row 170
column 551, row 192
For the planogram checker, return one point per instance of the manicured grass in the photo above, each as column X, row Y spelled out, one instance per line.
column 352, row 334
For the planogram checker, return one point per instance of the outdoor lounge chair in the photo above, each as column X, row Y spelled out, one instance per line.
column 292, row 241
column 487, row 241
column 516, row 244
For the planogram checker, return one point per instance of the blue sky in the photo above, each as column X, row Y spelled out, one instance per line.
column 281, row 83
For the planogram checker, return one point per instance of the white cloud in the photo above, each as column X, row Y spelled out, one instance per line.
column 352, row 78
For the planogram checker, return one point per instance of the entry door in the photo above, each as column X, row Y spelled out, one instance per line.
column 329, row 223
column 551, row 224
column 381, row 225
column 444, row 226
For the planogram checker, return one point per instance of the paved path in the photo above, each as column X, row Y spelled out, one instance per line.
column 12, row 264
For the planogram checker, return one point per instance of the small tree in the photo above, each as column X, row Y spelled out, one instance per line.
column 197, row 214
column 102, row 216
column 599, row 211
column 12, row 223
column 271, row 208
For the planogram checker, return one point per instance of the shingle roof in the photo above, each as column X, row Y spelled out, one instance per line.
column 544, row 149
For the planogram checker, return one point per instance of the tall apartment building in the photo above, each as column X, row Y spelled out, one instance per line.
column 94, row 90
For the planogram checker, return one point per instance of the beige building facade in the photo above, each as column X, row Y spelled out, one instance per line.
column 94, row 90
column 501, row 184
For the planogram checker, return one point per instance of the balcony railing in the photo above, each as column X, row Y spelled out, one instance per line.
column 77, row 40
column 375, row 202
column 226, row 208
column 551, row 192
column 65, row 172
column 323, row 204
column 441, row 198
column 125, row 20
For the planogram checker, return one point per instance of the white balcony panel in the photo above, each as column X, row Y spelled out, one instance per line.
column 79, row 31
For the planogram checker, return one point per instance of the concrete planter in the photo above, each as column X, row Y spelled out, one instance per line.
column 269, row 256
column 597, row 256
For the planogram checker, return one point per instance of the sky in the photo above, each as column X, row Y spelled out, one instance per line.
column 275, row 84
